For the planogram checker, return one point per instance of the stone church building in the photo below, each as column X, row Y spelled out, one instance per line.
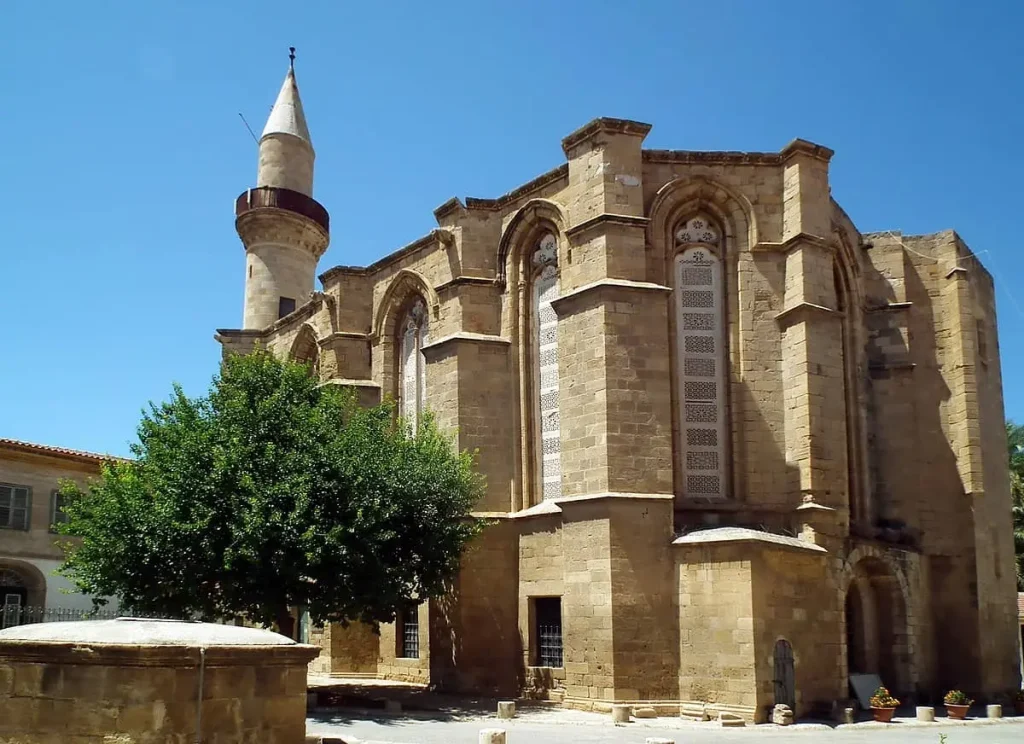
column 735, row 449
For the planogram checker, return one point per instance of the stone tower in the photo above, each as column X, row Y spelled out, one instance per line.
column 284, row 230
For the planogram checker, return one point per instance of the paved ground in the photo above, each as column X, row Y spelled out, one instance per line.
column 555, row 726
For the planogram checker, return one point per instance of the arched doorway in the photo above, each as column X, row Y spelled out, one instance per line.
column 785, row 674
column 21, row 585
column 877, row 641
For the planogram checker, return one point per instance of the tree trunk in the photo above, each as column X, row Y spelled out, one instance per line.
column 286, row 624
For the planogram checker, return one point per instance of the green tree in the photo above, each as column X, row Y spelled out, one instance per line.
column 272, row 492
column 1015, row 444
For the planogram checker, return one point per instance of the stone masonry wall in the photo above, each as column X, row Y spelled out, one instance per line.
column 82, row 703
column 716, row 627
column 858, row 387
column 795, row 599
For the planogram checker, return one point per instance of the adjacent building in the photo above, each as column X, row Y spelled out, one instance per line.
column 30, row 509
column 736, row 450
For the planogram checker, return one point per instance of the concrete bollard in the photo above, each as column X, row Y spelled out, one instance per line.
column 506, row 709
column 392, row 706
column 849, row 715
column 994, row 711
column 926, row 713
column 620, row 713
column 492, row 736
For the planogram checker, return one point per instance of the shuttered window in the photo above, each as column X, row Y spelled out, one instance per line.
column 15, row 506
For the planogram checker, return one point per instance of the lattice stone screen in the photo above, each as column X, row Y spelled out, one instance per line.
column 545, row 290
column 701, row 369
column 413, row 386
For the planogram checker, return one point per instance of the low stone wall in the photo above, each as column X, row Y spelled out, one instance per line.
column 81, row 691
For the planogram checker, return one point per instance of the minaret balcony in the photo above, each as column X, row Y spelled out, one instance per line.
column 272, row 197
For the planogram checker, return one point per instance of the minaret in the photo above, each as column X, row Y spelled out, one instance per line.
column 284, row 230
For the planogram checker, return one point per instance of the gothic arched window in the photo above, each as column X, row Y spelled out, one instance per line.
column 306, row 351
column 547, row 431
column 701, row 359
column 412, row 369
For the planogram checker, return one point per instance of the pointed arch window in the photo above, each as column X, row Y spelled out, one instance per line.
column 306, row 351
column 547, row 431
column 412, row 372
column 701, row 359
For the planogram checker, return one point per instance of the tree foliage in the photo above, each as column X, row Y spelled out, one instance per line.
column 272, row 492
column 1015, row 444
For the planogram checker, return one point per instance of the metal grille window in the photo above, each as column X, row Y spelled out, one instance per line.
column 548, row 618
column 409, row 633
column 15, row 504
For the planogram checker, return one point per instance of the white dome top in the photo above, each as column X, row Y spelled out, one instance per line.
column 127, row 631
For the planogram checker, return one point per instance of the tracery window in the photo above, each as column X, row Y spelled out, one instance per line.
column 547, row 436
column 701, row 359
column 412, row 373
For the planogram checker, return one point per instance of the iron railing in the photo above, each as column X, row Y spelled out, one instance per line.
column 11, row 615
column 279, row 198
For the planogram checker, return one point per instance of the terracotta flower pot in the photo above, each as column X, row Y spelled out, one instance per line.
column 883, row 715
column 957, row 711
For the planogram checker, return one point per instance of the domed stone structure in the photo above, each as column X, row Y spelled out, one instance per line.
column 150, row 682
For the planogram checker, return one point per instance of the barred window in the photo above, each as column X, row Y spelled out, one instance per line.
column 701, row 358
column 15, row 506
column 548, row 443
column 409, row 632
column 547, row 612
column 412, row 374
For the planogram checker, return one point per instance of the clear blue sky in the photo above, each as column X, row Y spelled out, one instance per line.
column 123, row 151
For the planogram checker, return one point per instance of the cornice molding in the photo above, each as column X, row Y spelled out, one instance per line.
column 464, row 337
column 604, row 125
column 561, row 304
column 619, row 220
column 804, row 308
column 695, row 157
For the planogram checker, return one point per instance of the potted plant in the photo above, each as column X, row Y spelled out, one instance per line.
column 883, row 705
column 957, row 704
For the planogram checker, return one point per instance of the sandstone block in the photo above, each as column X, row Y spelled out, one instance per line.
column 730, row 719
column 645, row 713
column 506, row 709
column 621, row 713
column 492, row 736
column 925, row 713
column 782, row 715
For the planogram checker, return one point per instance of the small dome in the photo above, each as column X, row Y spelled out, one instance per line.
column 127, row 631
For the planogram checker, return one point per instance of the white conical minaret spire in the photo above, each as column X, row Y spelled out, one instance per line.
column 286, row 150
column 287, row 116
column 284, row 229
